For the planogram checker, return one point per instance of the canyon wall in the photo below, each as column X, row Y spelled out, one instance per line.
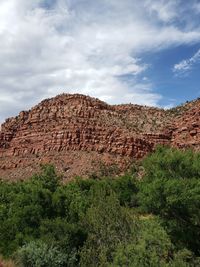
column 76, row 132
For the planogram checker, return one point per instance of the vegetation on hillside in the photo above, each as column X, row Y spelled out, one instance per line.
column 127, row 221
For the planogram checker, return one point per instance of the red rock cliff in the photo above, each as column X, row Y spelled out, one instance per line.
column 75, row 132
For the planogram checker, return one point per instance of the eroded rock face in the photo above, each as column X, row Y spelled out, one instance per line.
column 187, row 128
column 74, row 127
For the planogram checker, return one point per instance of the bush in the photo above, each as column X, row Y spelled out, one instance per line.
column 153, row 221
column 108, row 225
column 171, row 190
column 39, row 254
column 172, row 163
column 153, row 248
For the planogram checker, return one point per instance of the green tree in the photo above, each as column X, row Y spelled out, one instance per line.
column 171, row 190
column 152, row 248
column 108, row 225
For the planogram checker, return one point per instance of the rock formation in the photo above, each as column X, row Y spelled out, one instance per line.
column 76, row 132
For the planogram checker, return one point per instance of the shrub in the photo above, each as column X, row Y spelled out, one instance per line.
column 108, row 225
column 171, row 190
column 152, row 248
column 39, row 254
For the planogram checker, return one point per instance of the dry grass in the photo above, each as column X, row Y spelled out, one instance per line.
column 6, row 263
column 146, row 216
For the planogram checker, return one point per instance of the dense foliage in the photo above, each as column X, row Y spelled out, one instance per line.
column 135, row 220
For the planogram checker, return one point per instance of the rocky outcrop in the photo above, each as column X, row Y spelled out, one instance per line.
column 56, row 127
column 187, row 128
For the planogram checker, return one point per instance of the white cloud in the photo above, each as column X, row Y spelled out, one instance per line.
column 196, row 7
column 187, row 64
column 82, row 46
column 166, row 11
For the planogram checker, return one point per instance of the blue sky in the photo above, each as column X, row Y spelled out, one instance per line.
column 175, row 87
column 145, row 52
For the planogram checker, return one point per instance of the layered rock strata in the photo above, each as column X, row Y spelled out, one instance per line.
column 66, row 128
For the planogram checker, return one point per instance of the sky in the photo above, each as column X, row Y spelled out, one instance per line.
column 145, row 52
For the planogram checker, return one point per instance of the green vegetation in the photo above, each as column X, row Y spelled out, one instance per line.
column 116, row 222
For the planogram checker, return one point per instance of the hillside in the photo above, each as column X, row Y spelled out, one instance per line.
column 106, row 221
column 78, row 133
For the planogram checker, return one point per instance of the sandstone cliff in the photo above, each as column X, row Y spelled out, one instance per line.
column 76, row 132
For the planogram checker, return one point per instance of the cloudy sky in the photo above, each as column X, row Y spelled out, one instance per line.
column 145, row 52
